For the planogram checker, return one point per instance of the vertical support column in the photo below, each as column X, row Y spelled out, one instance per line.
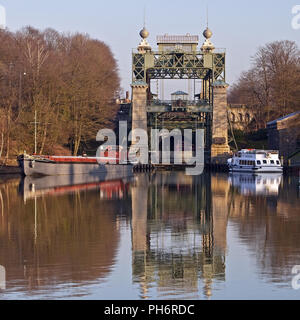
column 139, row 105
column 219, row 148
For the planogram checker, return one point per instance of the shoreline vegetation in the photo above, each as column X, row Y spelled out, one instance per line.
column 271, row 87
column 66, row 83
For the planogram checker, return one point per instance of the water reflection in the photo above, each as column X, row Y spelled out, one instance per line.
column 58, row 236
column 266, row 212
column 263, row 184
column 176, row 237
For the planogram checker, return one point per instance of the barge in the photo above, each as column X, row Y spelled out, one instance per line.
column 103, row 167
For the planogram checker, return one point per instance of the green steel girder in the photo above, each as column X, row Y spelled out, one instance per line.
column 178, row 65
column 171, row 120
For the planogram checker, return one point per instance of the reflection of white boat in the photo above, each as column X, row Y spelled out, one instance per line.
column 264, row 183
column 251, row 160
column 33, row 187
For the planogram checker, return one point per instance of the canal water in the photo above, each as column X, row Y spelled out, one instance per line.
column 163, row 235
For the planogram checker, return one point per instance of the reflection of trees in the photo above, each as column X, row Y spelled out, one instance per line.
column 270, row 226
column 175, row 221
column 74, row 239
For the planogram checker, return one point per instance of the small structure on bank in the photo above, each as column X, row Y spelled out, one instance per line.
column 179, row 95
column 284, row 135
column 241, row 117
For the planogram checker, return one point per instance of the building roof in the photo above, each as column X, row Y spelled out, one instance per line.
column 171, row 39
column 179, row 93
column 296, row 153
column 283, row 118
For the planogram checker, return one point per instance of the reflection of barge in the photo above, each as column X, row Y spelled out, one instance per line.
column 32, row 187
column 67, row 165
column 264, row 183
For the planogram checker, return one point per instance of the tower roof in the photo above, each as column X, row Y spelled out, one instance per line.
column 174, row 39
column 179, row 93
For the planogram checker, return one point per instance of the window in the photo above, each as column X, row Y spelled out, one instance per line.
column 272, row 161
column 232, row 117
column 277, row 161
column 264, row 161
column 247, row 117
column 258, row 162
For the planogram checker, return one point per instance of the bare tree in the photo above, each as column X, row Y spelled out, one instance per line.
column 69, row 80
column 271, row 88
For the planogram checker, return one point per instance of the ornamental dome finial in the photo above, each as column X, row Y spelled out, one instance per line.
column 207, row 33
column 144, row 33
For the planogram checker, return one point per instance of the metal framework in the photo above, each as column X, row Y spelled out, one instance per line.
column 178, row 64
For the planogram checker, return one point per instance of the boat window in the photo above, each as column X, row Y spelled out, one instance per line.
column 258, row 161
column 264, row 161
column 272, row 161
column 277, row 161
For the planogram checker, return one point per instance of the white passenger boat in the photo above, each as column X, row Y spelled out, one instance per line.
column 253, row 160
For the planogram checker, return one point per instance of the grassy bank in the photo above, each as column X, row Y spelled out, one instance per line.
column 246, row 140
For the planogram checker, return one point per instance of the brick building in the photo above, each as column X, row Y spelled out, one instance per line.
column 284, row 134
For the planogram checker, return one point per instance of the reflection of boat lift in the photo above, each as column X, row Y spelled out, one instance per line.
column 35, row 219
column 264, row 184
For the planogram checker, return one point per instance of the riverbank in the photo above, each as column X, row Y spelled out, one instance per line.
column 10, row 170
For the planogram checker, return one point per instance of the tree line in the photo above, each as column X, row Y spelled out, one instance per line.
column 271, row 87
column 64, row 84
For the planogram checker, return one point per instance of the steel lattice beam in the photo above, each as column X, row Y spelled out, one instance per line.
column 178, row 65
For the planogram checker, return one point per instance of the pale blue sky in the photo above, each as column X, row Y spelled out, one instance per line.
column 239, row 26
